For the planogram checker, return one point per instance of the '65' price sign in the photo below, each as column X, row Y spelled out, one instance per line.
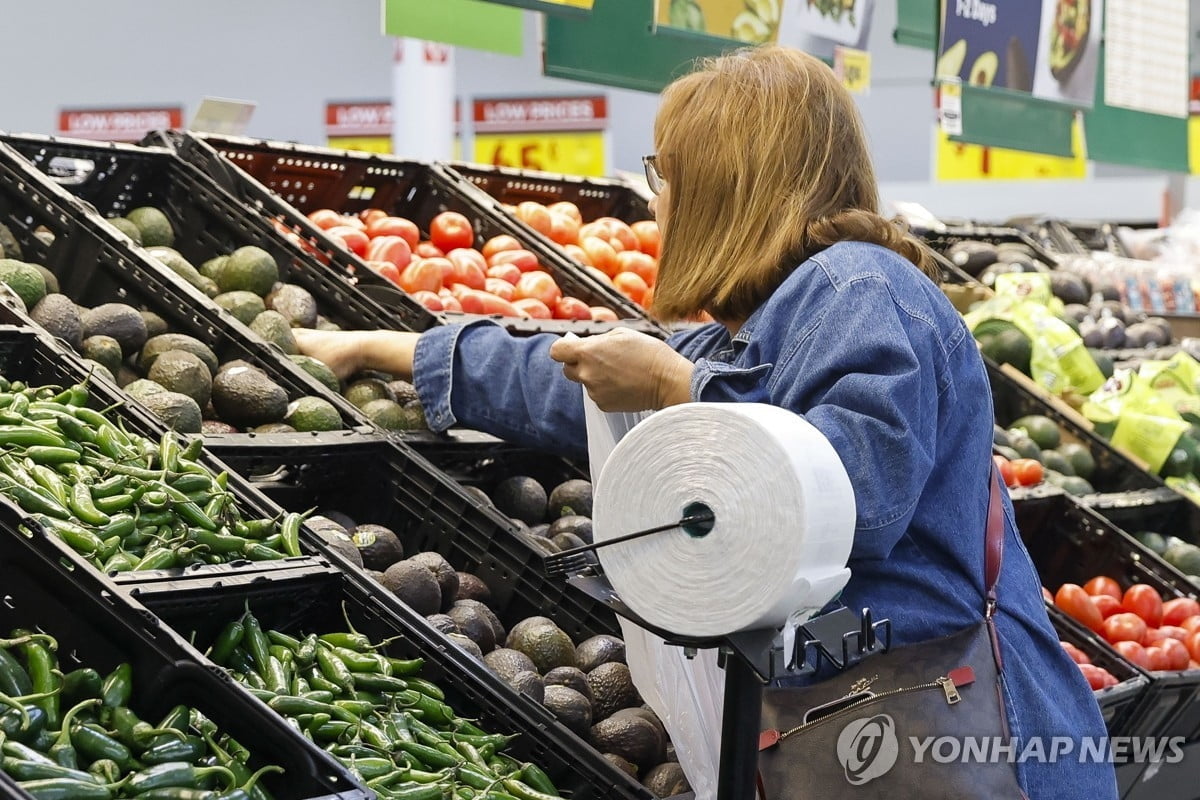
column 549, row 134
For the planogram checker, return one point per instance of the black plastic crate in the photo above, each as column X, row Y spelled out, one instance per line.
column 1118, row 704
column 1012, row 399
column 942, row 240
column 384, row 483
column 1050, row 234
column 93, row 267
column 1070, row 543
column 1162, row 511
column 100, row 629
column 286, row 181
column 334, row 602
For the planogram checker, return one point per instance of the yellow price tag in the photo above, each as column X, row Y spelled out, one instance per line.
column 853, row 68
column 957, row 161
column 571, row 153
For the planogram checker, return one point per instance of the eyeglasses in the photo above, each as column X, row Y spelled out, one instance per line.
column 653, row 176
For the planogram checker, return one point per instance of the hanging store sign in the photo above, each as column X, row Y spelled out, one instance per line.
column 551, row 6
column 549, row 134
column 366, row 125
column 117, row 124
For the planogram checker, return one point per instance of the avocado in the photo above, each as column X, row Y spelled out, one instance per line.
column 323, row 523
column 466, row 645
column 9, row 248
column 242, row 306
column 972, row 257
column 319, row 371
column 1023, row 444
column 274, row 427
column 1005, row 344
column 478, row 494
column 95, row 367
column 601, row 649
column 1183, row 556
column 413, row 584
column 121, row 322
column 294, row 304
column 488, row 614
column 525, row 625
column 176, row 341
column 631, row 738
column 474, row 626
column 326, row 325
column 577, row 526
column 567, row 541
column 272, row 327
column 249, row 269
column 128, row 228
column 646, row 713
column 1155, row 542
column 126, row 376
column 508, row 663
column 154, row 226
column 214, row 426
column 246, row 397
column 612, row 689
column 570, row 708
column 1080, row 457
column 443, row 624
column 446, row 577
column 1068, row 288
column 472, row 587
column 312, row 414
column 178, row 411
column 336, row 537
column 103, row 349
column 1178, row 463
column 572, row 678
column 521, row 497
column 363, row 391
column 155, row 325
column 50, row 278
column 1072, row 484
column 183, row 372
column 174, row 261
column 58, row 315
column 339, row 518
column 621, row 764
column 668, row 780
column 403, row 392
column 211, row 268
column 388, row 415
column 546, row 644
column 380, row 548
column 1052, row 459
column 529, row 684
column 143, row 388
column 570, row 498
column 25, row 280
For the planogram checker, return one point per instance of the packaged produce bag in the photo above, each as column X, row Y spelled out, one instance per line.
column 1137, row 417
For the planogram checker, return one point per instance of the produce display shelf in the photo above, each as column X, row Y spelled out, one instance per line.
column 1070, row 543
column 99, row 628
column 941, row 240
column 1051, row 234
column 351, row 601
column 94, row 266
column 383, row 482
column 284, row 182
column 1162, row 511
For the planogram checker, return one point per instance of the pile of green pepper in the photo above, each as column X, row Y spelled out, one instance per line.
column 123, row 501
column 73, row 736
column 374, row 713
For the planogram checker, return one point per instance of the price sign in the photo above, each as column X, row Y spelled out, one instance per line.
column 950, row 106
column 957, row 161
column 548, row 134
column 853, row 68
column 366, row 126
column 117, row 124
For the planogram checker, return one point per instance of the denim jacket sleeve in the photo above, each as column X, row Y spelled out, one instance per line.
column 862, row 370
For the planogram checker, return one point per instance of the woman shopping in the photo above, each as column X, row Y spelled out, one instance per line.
column 767, row 202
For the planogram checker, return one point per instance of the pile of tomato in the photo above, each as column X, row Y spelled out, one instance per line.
column 447, row 273
column 1020, row 472
column 1146, row 631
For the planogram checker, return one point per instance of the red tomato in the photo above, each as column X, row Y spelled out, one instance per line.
column 395, row 226
column 597, row 228
column 468, row 255
column 649, row 237
column 445, row 268
column 648, row 298
column 601, row 254
column 1153, row 636
column 640, row 264
column 1134, row 653
column 1077, row 655
column 466, row 268
column 1049, row 598
column 429, row 250
column 1102, row 584
column 1097, row 678
column 353, row 239
column 521, row 259
column 620, row 230
column 1191, row 624
column 497, row 244
column 1107, row 605
column 1176, row 653
column 1006, row 474
column 631, row 285
column 1157, row 658
column 572, row 308
column 326, row 218
column 535, row 215
column 472, row 301
column 598, row 275
column 563, row 229
column 1028, row 471
column 501, row 288
column 450, row 230
column 1074, row 602
column 538, row 286
column 532, row 308
column 567, row 209
column 355, row 222
column 385, row 269
column 369, row 215
column 1193, row 645
column 602, row 314
column 431, row 301
column 390, row 248
column 1146, row 602
column 1174, row 632
column 421, row 276
column 1124, row 627
column 450, row 303
column 1177, row 609
column 509, row 273
column 496, row 305
column 578, row 254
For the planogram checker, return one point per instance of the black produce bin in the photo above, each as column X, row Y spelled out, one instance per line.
column 94, row 265
column 1070, row 543
column 384, row 483
column 286, row 181
column 1115, row 472
column 347, row 600
column 942, row 240
column 1162, row 511
column 1051, row 234
column 99, row 629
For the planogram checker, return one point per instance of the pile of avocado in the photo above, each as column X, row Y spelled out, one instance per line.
column 391, row 404
column 587, row 686
column 551, row 522
column 1183, row 556
column 1068, row 465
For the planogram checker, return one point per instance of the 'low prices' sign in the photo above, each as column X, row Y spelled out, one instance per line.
column 549, row 134
column 117, row 124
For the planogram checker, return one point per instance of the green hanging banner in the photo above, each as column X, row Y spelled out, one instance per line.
column 917, row 23
column 477, row 24
column 565, row 7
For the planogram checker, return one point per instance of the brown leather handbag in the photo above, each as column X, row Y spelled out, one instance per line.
column 911, row 722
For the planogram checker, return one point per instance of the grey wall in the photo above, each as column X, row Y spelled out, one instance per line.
column 291, row 56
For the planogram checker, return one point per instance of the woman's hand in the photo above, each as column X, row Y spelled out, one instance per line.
column 625, row 370
column 350, row 352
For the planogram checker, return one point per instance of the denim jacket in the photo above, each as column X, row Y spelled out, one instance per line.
column 872, row 354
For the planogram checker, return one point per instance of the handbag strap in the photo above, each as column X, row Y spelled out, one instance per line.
column 993, row 542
